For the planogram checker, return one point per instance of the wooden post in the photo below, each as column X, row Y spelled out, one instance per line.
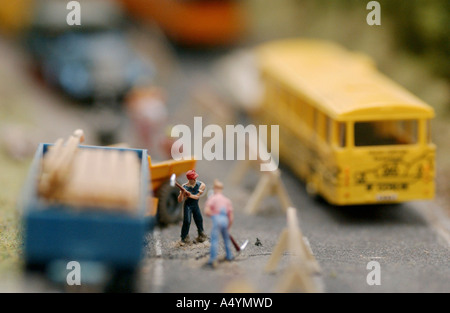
column 278, row 251
column 86, row 178
column 239, row 286
column 269, row 184
column 58, row 164
column 302, row 264
column 295, row 278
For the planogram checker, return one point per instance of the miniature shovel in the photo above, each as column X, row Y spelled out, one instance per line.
column 236, row 246
column 174, row 183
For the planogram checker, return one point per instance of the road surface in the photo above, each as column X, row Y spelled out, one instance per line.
column 412, row 251
column 411, row 248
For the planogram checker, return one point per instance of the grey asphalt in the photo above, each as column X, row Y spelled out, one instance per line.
column 412, row 256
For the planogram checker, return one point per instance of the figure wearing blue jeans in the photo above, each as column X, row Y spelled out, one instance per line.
column 219, row 208
column 220, row 227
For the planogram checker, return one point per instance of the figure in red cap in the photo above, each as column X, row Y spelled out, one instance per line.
column 194, row 190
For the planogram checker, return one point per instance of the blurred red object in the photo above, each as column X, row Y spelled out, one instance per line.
column 194, row 22
column 148, row 114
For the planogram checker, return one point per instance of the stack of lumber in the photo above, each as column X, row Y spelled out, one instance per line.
column 90, row 178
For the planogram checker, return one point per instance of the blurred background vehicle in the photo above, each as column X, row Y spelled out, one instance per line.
column 193, row 23
column 91, row 62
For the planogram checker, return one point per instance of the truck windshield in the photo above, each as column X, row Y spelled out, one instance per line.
column 389, row 132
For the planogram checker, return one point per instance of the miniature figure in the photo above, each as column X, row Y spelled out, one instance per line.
column 148, row 114
column 219, row 208
column 193, row 190
column 166, row 143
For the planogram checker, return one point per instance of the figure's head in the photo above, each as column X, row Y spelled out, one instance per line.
column 191, row 175
column 144, row 96
column 218, row 186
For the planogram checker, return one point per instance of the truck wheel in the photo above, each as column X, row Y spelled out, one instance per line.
column 35, row 267
column 169, row 209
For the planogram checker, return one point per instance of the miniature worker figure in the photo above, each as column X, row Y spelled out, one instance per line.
column 148, row 114
column 194, row 190
column 219, row 208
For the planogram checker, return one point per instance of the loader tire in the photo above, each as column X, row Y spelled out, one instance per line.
column 169, row 209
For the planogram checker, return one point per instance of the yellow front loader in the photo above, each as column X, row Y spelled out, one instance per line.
column 165, row 205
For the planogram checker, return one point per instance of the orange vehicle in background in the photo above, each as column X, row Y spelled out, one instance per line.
column 15, row 16
column 193, row 22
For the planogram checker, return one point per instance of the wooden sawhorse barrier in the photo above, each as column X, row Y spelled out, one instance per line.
column 302, row 265
column 269, row 183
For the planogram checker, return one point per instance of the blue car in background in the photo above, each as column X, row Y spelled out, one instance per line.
column 89, row 62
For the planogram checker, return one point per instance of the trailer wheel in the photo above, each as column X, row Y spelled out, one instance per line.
column 169, row 209
column 35, row 267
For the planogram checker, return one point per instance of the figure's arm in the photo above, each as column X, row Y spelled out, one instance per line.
column 201, row 190
column 230, row 215
column 181, row 196
column 196, row 197
column 230, row 219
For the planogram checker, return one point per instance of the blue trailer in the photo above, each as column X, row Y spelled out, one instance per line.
column 101, row 241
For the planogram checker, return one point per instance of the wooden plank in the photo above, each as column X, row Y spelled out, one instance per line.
column 107, row 179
